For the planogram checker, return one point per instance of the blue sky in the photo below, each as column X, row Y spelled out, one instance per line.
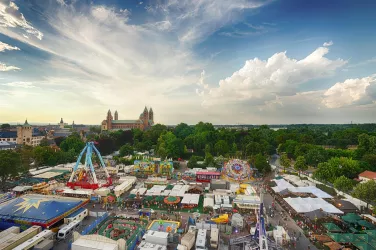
column 225, row 62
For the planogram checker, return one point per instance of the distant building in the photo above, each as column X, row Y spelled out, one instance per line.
column 5, row 145
column 62, row 124
column 367, row 176
column 145, row 121
column 26, row 135
column 8, row 136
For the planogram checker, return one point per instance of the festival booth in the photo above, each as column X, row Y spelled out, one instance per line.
column 208, row 203
column 22, row 189
column 190, row 200
column 124, row 187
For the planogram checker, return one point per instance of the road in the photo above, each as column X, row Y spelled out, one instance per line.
column 291, row 226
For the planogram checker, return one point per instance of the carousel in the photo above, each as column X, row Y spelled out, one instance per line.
column 237, row 170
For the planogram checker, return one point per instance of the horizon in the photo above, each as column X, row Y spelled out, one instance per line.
column 225, row 62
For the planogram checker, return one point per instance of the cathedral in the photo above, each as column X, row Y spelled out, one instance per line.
column 145, row 121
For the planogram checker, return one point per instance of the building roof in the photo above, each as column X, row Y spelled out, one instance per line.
column 125, row 121
column 8, row 144
column 368, row 174
column 38, row 208
column 8, row 134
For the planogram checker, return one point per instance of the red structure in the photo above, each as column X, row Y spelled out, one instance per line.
column 207, row 176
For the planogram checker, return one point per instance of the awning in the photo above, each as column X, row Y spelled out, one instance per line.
column 331, row 227
column 365, row 224
column 351, row 218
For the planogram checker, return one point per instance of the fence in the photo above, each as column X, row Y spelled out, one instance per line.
column 93, row 225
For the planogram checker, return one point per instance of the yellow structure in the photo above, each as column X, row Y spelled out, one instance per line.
column 220, row 219
column 242, row 188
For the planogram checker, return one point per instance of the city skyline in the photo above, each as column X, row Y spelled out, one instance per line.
column 244, row 62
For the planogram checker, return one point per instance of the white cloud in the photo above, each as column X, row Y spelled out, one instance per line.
column 10, row 16
column 4, row 67
column 351, row 91
column 5, row 46
column 25, row 85
column 195, row 20
column 259, row 81
column 327, row 44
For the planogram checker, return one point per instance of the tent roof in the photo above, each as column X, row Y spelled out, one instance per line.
column 366, row 224
column 342, row 238
column 331, row 227
column 351, row 218
column 371, row 232
column 304, row 205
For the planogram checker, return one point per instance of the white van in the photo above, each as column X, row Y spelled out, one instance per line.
column 68, row 229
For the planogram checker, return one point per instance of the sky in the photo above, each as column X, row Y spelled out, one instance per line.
column 218, row 61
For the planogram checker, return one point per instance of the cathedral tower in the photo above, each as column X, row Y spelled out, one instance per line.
column 109, row 120
column 116, row 116
column 151, row 116
column 61, row 124
column 145, row 117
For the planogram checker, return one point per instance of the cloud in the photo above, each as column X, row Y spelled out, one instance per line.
column 4, row 67
column 240, row 33
column 351, row 91
column 327, row 44
column 260, row 81
column 10, row 16
column 25, row 85
column 4, row 46
column 363, row 63
column 195, row 20
column 162, row 25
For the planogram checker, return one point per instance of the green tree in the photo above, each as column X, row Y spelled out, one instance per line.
column 261, row 163
column 72, row 142
column 300, row 164
column 221, row 147
column 125, row 150
column 209, row 160
column 192, row 163
column 10, row 166
column 253, row 148
column 316, row 155
column 169, row 145
column 343, row 184
column 44, row 143
column 285, row 162
column 366, row 191
column 336, row 167
column 5, row 126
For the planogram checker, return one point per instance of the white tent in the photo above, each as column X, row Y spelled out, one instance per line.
column 305, row 205
column 191, row 199
column 208, row 202
column 283, row 185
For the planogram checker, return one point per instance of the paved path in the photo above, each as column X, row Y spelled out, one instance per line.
column 303, row 242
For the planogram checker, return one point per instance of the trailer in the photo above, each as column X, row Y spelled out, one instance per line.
column 188, row 240
column 20, row 238
column 214, row 238
column 154, row 237
column 201, row 240
column 29, row 244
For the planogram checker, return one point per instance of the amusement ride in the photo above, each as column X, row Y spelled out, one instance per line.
column 85, row 177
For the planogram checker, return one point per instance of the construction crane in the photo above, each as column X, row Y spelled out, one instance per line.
column 85, row 177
